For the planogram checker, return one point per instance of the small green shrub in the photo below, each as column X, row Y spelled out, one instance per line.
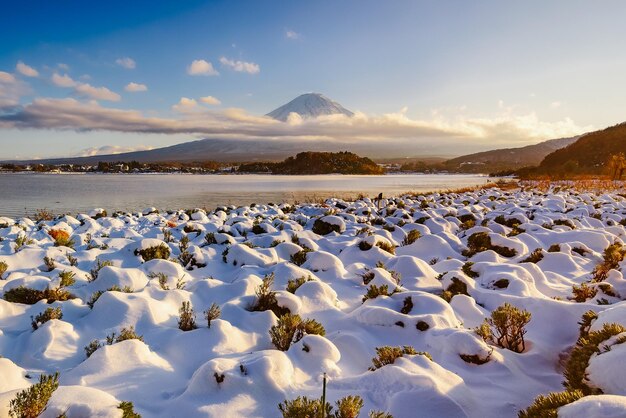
column 386, row 246
column 186, row 259
column 43, row 214
column 294, row 284
column 92, row 347
column 388, row 355
column 167, row 235
column 303, row 407
column 511, row 222
column 480, row 241
column 96, row 295
column 299, row 258
column 467, row 269
column 612, row 255
column 45, row 316
column 31, row 402
column 466, row 217
column 212, row 313
column 585, row 323
column 160, row 251
column 457, row 287
column 547, row 406
column 94, row 298
column 62, row 241
column 379, row 414
column 21, row 241
column 501, row 283
column 321, row 227
column 29, row 296
column 375, row 291
column 407, row 305
column 422, row 325
column 554, row 248
column 576, row 366
column 24, row 295
column 411, row 237
column 475, row 358
column 49, row 263
column 183, row 244
column 367, row 276
column 506, row 328
column 187, row 318
column 266, row 298
column 67, row 278
column 583, row 292
column 209, row 238
column 128, row 410
column 257, row 229
column 162, row 278
column 291, row 328
column 125, row 334
column 534, row 257
column 72, row 260
column 99, row 265
column 564, row 222
column 348, row 407
column 191, row 228
column 3, row 268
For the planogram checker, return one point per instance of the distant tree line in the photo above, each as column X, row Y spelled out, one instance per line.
column 120, row 167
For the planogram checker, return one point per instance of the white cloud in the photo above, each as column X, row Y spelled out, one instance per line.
column 63, row 80
column 63, row 66
column 290, row 34
column 110, row 149
column 185, row 104
column 97, row 93
column 11, row 90
column 392, row 131
column 210, row 100
column 84, row 89
column 126, row 62
column 555, row 105
column 7, row 77
column 26, row 70
column 135, row 87
column 201, row 67
column 240, row 66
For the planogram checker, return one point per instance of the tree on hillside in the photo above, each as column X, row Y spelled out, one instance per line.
column 616, row 165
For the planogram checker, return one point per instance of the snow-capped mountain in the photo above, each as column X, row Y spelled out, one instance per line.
column 309, row 105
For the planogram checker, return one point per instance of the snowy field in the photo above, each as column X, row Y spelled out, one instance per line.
column 421, row 274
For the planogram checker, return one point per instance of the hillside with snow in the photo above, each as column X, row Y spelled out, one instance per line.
column 459, row 305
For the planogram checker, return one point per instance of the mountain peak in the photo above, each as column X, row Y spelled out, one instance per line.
column 309, row 105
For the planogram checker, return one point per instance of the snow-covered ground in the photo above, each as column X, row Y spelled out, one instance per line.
column 232, row 368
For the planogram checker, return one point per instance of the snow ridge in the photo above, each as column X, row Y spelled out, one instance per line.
column 309, row 105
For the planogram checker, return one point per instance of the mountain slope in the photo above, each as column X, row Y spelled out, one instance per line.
column 309, row 105
column 588, row 155
column 508, row 158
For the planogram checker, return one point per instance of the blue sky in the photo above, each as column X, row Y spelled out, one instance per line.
column 479, row 73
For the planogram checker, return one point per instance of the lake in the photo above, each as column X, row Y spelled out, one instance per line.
column 24, row 193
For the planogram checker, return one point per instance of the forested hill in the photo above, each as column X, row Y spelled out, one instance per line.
column 317, row 163
column 507, row 158
column 588, row 155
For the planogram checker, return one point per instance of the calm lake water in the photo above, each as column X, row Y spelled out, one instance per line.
column 22, row 194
